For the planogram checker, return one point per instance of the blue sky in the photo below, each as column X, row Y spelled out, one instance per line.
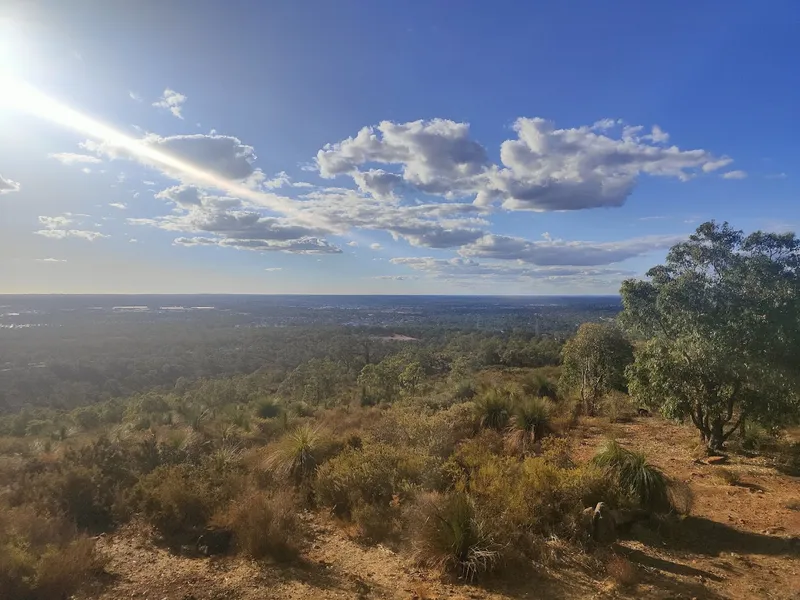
column 377, row 147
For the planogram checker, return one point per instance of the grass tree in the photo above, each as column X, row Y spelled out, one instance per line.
column 723, row 332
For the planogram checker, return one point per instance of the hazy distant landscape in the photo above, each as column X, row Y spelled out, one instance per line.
column 549, row 313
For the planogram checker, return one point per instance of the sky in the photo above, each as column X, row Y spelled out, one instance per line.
column 370, row 147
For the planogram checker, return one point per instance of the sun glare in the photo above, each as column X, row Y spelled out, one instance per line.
column 18, row 95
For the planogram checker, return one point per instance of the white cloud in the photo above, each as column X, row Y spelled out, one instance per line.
column 72, row 158
column 56, row 222
column 119, row 205
column 435, row 225
column 60, row 234
column 8, row 186
column 543, row 169
column 552, row 252
column 396, row 277
column 135, row 97
column 220, row 155
column 273, row 269
column 133, row 241
column 777, row 176
column 353, row 243
column 470, row 271
column 233, row 225
column 298, row 246
column 51, row 260
column 375, row 246
column 172, row 101
column 734, row 175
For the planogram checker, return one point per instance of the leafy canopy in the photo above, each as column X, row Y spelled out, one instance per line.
column 722, row 318
column 594, row 362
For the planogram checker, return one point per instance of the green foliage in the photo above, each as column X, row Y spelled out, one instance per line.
column 594, row 363
column 373, row 474
column 450, row 537
column 179, row 500
column 644, row 483
column 493, row 408
column 464, row 390
column 723, row 335
column 268, row 408
column 538, row 385
column 529, row 422
column 618, row 407
column 297, row 454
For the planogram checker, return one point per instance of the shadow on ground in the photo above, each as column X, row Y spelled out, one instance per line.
column 704, row 536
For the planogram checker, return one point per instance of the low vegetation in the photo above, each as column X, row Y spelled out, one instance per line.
column 461, row 453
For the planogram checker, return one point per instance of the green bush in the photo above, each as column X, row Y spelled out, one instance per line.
column 450, row 536
column 464, row 390
column 618, row 407
column 493, row 409
column 297, row 454
column 530, row 422
column 181, row 499
column 644, row 483
column 373, row 474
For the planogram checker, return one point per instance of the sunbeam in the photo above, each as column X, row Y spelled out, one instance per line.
column 19, row 95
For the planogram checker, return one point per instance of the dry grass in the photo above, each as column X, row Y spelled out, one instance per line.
column 264, row 525
column 622, row 571
column 728, row 477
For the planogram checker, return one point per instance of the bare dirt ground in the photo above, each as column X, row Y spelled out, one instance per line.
column 740, row 541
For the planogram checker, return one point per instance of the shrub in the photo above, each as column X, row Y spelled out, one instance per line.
column 378, row 523
column 529, row 423
column 373, row 474
column 644, row 483
column 622, row 571
column 538, row 385
column 297, row 454
column 267, row 409
column 617, row 407
column 728, row 477
column 263, row 525
column 42, row 558
column 450, row 537
column 464, row 390
column 182, row 499
column 493, row 409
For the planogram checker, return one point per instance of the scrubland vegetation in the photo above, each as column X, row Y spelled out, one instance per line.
column 461, row 452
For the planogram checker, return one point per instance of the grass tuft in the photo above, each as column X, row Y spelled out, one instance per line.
column 644, row 483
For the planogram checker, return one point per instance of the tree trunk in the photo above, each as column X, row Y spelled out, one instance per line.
column 717, row 438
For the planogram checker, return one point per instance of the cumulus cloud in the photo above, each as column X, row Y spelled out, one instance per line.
column 171, row 101
column 233, row 225
column 220, row 155
column 8, row 186
column 72, row 158
column 734, row 175
column 55, row 222
column 544, row 169
column 552, row 252
column 353, row 243
column 119, row 205
column 435, row 225
column 375, row 246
